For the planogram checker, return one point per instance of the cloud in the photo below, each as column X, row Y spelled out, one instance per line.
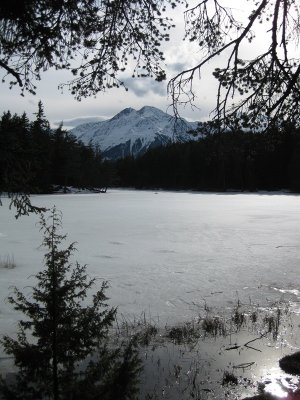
column 177, row 66
column 73, row 122
column 142, row 87
column 33, row 102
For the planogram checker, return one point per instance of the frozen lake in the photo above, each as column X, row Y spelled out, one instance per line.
column 167, row 253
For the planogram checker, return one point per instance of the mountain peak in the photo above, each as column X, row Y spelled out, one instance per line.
column 132, row 132
column 124, row 112
column 148, row 111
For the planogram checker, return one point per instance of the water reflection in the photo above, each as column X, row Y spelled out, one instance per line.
column 276, row 383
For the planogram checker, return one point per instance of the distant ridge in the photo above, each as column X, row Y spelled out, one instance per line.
column 133, row 132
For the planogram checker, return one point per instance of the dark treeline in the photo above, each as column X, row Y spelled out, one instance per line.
column 34, row 157
column 230, row 160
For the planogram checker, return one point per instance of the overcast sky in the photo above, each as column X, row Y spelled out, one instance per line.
column 63, row 107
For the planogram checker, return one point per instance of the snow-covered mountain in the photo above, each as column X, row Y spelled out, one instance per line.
column 132, row 132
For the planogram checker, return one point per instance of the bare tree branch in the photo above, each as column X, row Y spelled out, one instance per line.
column 12, row 72
column 262, row 88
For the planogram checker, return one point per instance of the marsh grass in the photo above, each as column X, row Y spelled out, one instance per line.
column 239, row 318
column 142, row 329
column 184, row 333
column 209, row 357
column 214, row 326
column 7, row 262
column 229, row 378
column 272, row 322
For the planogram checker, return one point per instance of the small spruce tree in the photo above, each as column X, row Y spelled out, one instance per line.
column 62, row 349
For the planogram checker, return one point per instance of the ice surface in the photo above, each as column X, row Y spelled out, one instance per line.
column 166, row 253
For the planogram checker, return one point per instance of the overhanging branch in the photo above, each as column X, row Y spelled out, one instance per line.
column 12, row 72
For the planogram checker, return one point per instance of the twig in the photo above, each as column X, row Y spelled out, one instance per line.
column 244, row 365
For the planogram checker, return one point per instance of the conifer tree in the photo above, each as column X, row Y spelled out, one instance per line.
column 60, row 334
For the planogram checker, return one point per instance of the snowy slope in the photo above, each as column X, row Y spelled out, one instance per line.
column 132, row 132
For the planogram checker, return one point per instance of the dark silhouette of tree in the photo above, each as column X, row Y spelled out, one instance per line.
column 94, row 39
column 60, row 331
column 35, row 158
column 16, row 165
column 40, row 135
column 265, row 87
column 230, row 160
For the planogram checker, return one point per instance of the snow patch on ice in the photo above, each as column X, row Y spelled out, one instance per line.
column 295, row 292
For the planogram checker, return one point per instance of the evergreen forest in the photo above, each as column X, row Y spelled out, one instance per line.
column 231, row 160
column 37, row 159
